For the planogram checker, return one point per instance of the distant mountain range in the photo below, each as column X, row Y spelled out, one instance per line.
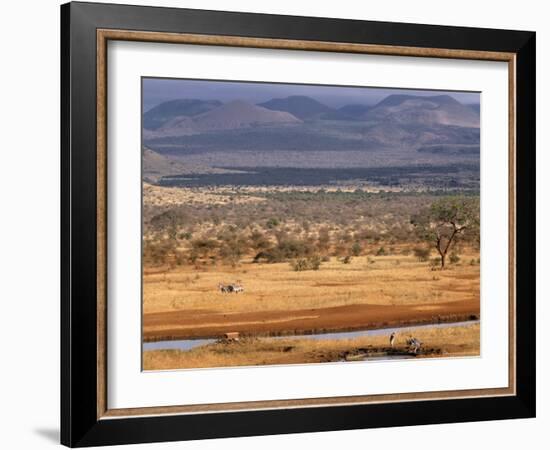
column 399, row 108
column 407, row 127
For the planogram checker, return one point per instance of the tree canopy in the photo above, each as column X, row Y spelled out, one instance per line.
column 446, row 221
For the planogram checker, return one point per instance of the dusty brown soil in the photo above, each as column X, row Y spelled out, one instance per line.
column 208, row 324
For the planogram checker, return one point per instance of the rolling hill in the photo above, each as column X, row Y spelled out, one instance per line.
column 426, row 111
column 299, row 106
column 234, row 115
column 161, row 114
column 239, row 114
column 347, row 112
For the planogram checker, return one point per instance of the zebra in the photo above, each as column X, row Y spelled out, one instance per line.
column 225, row 288
column 236, row 288
column 228, row 288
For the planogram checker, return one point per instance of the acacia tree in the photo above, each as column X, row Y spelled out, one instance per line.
column 447, row 220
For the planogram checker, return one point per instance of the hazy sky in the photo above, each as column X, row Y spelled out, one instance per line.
column 158, row 90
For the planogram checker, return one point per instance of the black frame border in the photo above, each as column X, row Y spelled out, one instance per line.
column 79, row 424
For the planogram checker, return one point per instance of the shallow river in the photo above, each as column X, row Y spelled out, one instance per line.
column 188, row 344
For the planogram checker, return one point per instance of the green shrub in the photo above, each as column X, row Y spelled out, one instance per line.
column 356, row 249
column 314, row 262
column 272, row 223
column 299, row 265
column 302, row 264
column 422, row 253
column 435, row 262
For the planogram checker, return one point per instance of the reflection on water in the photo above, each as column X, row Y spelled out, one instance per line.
column 184, row 344
column 188, row 344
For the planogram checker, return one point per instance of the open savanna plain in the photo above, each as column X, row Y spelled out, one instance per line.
column 311, row 261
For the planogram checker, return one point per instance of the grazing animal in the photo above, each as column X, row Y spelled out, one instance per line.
column 237, row 288
column 414, row 344
column 392, row 339
column 228, row 288
column 225, row 288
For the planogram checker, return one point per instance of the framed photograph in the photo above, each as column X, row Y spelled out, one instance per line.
column 276, row 224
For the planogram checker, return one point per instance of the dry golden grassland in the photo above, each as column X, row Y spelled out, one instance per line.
column 443, row 342
column 381, row 280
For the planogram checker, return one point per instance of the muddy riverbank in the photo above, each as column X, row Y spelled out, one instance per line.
column 201, row 324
